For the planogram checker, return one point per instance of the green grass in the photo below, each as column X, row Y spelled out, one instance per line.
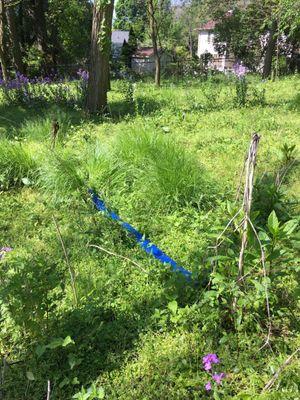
column 17, row 164
column 170, row 165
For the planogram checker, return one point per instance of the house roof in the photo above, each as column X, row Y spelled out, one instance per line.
column 208, row 26
column 144, row 52
column 211, row 24
column 118, row 36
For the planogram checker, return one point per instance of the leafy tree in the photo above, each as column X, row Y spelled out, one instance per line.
column 190, row 15
column 128, row 49
column 160, row 21
column 132, row 14
column 71, row 19
column 43, row 33
column 251, row 31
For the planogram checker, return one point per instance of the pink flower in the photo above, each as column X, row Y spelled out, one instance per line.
column 218, row 377
column 207, row 366
column 208, row 360
column 239, row 70
column 208, row 386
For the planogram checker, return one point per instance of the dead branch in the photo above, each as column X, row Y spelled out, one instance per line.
column 226, row 227
column 247, row 201
column 237, row 197
column 48, row 390
column 118, row 255
column 278, row 372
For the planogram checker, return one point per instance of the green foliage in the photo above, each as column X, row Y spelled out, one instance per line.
column 132, row 14
column 169, row 166
column 72, row 20
column 91, row 393
column 241, row 91
column 31, row 288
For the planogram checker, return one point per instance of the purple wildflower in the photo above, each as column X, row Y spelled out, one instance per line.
column 46, row 80
column 84, row 75
column 4, row 250
column 239, row 70
column 208, row 386
column 210, row 359
column 218, row 377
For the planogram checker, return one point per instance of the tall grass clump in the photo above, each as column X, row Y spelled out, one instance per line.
column 105, row 172
column 17, row 166
column 39, row 129
column 60, row 176
column 162, row 171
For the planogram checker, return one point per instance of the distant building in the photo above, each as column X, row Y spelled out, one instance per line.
column 143, row 61
column 118, row 39
column 206, row 47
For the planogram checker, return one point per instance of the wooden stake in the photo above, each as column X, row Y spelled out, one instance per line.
column 247, row 201
column 48, row 390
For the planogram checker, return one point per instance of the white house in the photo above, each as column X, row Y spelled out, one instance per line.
column 118, row 38
column 206, row 47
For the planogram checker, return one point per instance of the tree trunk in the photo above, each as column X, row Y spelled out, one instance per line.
column 191, row 43
column 36, row 10
column 3, row 60
column 154, row 38
column 41, row 28
column 56, row 47
column 108, row 18
column 269, row 52
column 98, row 84
column 14, row 36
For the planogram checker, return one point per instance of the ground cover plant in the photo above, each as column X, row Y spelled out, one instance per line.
column 84, row 323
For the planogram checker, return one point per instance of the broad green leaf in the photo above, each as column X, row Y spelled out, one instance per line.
column 273, row 223
column 263, row 236
column 55, row 343
column 59, row 342
column 68, row 340
column 289, row 227
column 26, row 181
column 30, row 376
column 173, row 306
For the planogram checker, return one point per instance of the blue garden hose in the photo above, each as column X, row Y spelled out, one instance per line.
column 144, row 243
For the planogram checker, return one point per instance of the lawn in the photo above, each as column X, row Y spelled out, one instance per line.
column 168, row 161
